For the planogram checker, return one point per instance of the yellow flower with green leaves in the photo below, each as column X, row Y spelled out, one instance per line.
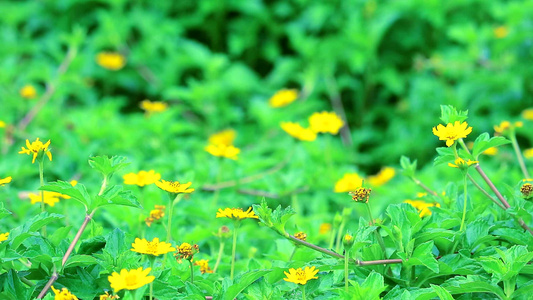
column 155, row 247
column 298, row 132
column 106, row 296
column 301, row 276
column 35, row 148
column 142, row 178
column 236, row 213
column 325, row 122
column 422, row 207
column 452, row 132
column 28, row 91
column 174, row 186
column 506, row 126
column 224, row 137
column 349, row 182
column 283, row 98
column 4, row 236
column 5, row 180
column 361, row 194
column 64, row 294
column 222, row 150
column 50, row 198
column 462, row 164
column 130, row 279
column 111, row 60
column 204, row 266
column 187, row 251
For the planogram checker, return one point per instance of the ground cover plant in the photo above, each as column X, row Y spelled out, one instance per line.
column 252, row 150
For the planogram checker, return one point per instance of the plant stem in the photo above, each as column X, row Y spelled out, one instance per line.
column 518, row 153
column 152, row 259
column 293, row 252
column 236, row 225
column 378, row 236
column 219, row 257
column 465, row 199
column 170, row 211
column 420, row 184
column 339, row 234
column 41, row 180
column 346, row 272
column 303, row 292
column 192, row 270
column 484, row 192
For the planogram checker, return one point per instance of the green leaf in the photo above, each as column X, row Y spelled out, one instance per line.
column 59, row 235
column 274, row 219
column 78, row 192
column 13, row 287
column 477, row 232
column 441, row 292
column 3, row 212
column 408, row 167
column 371, row 288
column 449, row 114
column 106, row 165
column 483, row 142
column 115, row 243
column 242, row 282
column 80, row 260
column 422, row 255
column 30, row 227
column 116, row 195
column 472, row 284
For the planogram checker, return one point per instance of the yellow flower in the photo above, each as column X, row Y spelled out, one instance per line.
column 349, row 182
column 5, row 180
column 155, row 247
column 382, row 177
column 500, row 32
column 325, row 122
column 505, row 126
column 324, row 228
column 155, row 214
column 106, row 296
column 361, row 194
column 153, row 107
column 461, row 163
column 4, row 236
column 111, row 60
column 224, row 137
column 221, row 150
column 348, row 241
column 301, row 276
column 204, row 266
column 297, row 131
column 36, row 148
column 452, row 132
column 528, row 153
column 422, row 207
column 187, row 251
column 301, row 235
column 130, row 279
column 142, row 178
column 64, row 294
column 526, row 189
column 174, row 186
column 28, row 91
column 50, row 198
column 2, row 124
column 236, row 213
column 283, row 98
column 527, row 114
column 491, row 151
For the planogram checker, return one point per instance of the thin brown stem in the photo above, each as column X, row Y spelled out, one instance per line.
column 48, row 285
column 485, row 192
column 420, row 184
column 518, row 153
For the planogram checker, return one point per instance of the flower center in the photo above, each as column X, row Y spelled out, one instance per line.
column 151, row 248
column 300, row 274
column 131, row 280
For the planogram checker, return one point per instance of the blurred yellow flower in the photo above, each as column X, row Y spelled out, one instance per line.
column 452, row 132
column 283, row 98
column 324, row 228
column 111, row 60
column 5, row 180
column 528, row 153
column 130, row 279
column 500, row 32
column 64, row 294
column 224, row 137
column 204, row 266
column 187, row 251
column 505, row 126
column 461, row 163
column 50, row 198
column 2, row 124
column 155, row 214
column 221, row 150
column 325, row 122
column 301, row 276
column 302, row 236
column 174, row 186
column 155, row 247
column 422, row 207
column 491, row 151
column 384, row 175
column 350, row 182
column 236, row 213
column 36, row 148
column 28, row 91
column 106, row 296
column 142, row 178
column 297, row 131
column 151, row 107
column 4, row 236
column 527, row 114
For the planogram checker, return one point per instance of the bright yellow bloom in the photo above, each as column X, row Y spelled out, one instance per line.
column 505, row 126
column 361, row 194
column 50, row 198
column 130, row 279
column 187, row 251
column 106, row 296
column 28, row 91
column 111, row 60
column 349, row 182
column 35, row 148
column 301, row 276
column 422, row 207
column 527, row 114
column 236, row 213
column 500, row 32
column 155, row 214
column 224, row 137
column 153, row 107
column 526, row 189
column 283, row 98
column 461, row 163
column 5, row 180
column 142, row 178
column 301, row 235
column 64, row 294
column 325, row 122
column 4, row 236
column 384, row 175
column 324, row 228
column 298, row 132
column 204, row 266
column 2, row 124
column 452, row 132
column 491, row 151
column 155, row 247
column 221, row 150
column 528, row 153
column 174, row 186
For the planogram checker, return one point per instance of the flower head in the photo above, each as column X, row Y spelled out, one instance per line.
column 130, row 279
column 302, row 236
column 491, row 151
column 462, row 164
column 506, row 126
column 422, row 207
column 155, row 247
column 2, row 124
column 204, row 266
column 5, row 180
column 452, row 132
column 324, row 228
column 361, row 194
column 348, row 241
column 174, row 186
column 155, row 214
column 36, row 148
column 153, row 107
column 301, row 276
column 28, row 91
column 224, row 137
column 64, row 294
column 528, row 153
column 527, row 190
column 222, row 150
column 4, row 236
column 283, row 98
column 527, row 114
column 50, row 198
column 349, row 182
column 325, row 122
column 298, row 132
column 111, row 60
column 236, row 213
column 384, row 175
column 187, row 251
column 142, row 178
column 500, row 32
column 106, row 296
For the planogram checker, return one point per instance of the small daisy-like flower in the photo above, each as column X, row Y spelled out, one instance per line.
column 462, row 164
column 106, row 296
column 283, row 98
column 422, row 207
column 130, row 279
column 527, row 114
column 361, row 194
column 500, row 32
column 4, row 236
column 36, row 148
column 153, row 107
column 505, row 126
column 155, row 247
column 28, row 91
column 222, row 150
column 298, row 132
column 527, row 190
column 224, row 137
column 236, row 213
column 50, row 198
column 324, row 228
column 64, row 294
column 325, row 122
column 384, row 175
column 349, row 182
column 111, row 60
column 204, row 266
column 5, row 180
column 528, row 153
column 155, row 214
column 301, row 276
column 142, row 178
column 174, row 186
column 452, row 132
column 187, row 251
column 2, row 124
column 302, row 236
